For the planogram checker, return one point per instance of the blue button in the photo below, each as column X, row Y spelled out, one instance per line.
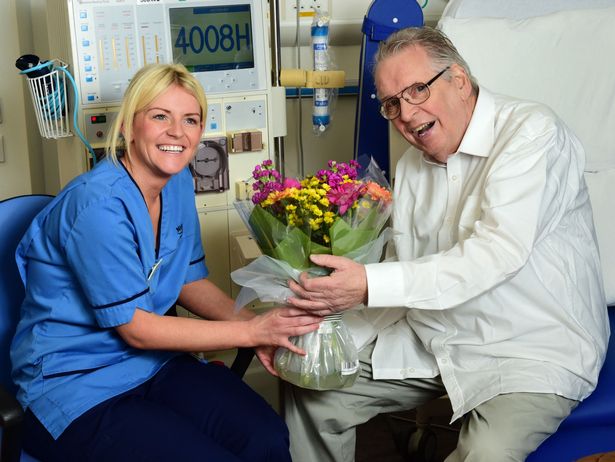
column 89, row 78
column 83, row 14
column 213, row 125
column 87, row 58
column 85, row 43
column 91, row 97
column 88, row 68
column 84, row 27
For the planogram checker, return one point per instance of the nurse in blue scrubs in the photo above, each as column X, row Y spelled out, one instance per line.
column 103, row 374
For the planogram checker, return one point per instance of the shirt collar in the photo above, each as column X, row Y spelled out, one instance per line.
column 479, row 136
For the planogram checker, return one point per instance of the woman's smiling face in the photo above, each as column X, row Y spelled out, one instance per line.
column 437, row 125
column 166, row 134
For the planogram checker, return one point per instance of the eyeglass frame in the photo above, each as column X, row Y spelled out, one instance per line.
column 399, row 96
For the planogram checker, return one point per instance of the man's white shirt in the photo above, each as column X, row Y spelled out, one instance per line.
column 497, row 266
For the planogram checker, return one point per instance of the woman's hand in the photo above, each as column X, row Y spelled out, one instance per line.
column 266, row 355
column 273, row 328
column 344, row 288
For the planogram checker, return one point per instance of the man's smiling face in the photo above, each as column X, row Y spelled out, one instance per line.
column 437, row 125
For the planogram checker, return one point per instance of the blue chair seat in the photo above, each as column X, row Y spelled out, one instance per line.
column 16, row 214
column 590, row 428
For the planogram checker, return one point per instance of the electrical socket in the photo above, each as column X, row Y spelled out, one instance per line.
column 307, row 8
column 243, row 190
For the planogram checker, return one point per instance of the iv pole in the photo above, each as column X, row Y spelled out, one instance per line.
column 274, row 27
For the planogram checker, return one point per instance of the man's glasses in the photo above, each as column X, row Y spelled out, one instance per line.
column 416, row 93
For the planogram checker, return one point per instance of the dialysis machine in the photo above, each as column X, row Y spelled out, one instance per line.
column 224, row 43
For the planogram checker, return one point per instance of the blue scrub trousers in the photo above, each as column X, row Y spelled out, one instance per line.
column 189, row 411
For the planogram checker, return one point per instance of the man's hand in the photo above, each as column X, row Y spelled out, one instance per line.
column 344, row 288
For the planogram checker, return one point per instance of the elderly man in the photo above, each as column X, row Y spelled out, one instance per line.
column 496, row 286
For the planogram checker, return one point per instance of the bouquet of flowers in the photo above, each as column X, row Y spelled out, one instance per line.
column 332, row 212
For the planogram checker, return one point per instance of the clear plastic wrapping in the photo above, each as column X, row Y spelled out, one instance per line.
column 333, row 212
column 331, row 361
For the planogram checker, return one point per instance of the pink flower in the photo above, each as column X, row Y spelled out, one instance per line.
column 344, row 195
column 291, row 183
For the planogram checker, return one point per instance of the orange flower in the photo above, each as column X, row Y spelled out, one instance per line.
column 377, row 192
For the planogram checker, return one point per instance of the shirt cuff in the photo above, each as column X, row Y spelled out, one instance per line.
column 122, row 312
column 386, row 285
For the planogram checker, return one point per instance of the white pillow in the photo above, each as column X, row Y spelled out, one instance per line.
column 564, row 60
column 601, row 189
column 516, row 9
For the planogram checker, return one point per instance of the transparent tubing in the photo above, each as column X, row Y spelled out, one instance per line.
column 49, row 96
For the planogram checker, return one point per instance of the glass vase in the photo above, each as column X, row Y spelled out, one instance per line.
column 331, row 361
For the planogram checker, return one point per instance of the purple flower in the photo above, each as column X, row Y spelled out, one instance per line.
column 337, row 172
column 267, row 179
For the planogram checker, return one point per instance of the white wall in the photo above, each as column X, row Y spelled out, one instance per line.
column 337, row 142
column 345, row 33
column 17, row 176
column 33, row 165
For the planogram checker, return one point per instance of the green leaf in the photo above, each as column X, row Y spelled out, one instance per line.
column 266, row 228
column 345, row 238
column 286, row 243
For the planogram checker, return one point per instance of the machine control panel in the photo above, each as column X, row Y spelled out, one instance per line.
column 220, row 41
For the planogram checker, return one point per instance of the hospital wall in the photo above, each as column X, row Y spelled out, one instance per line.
column 19, row 171
column 30, row 164
column 345, row 46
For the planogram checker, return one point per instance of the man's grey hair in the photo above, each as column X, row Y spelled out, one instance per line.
column 437, row 45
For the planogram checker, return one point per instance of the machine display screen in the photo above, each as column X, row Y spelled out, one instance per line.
column 212, row 38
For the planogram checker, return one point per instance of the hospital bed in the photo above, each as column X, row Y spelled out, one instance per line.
column 558, row 52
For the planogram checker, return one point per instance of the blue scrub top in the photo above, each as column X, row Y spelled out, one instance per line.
column 88, row 260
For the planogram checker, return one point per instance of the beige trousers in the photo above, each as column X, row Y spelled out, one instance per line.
column 506, row 428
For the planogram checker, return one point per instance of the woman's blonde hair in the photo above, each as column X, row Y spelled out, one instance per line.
column 146, row 85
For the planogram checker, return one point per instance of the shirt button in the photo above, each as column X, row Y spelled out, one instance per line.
column 443, row 360
column 454, row 178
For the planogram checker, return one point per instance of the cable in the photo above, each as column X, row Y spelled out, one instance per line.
column 299, row 101
column 53, row 103
column 424, row 5
column 75, row 123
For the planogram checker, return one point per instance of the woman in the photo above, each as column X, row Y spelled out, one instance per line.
column 98, row 365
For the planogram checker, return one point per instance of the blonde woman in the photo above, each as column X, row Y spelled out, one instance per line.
column 102, row 372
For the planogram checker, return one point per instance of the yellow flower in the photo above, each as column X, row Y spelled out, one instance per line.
column 314, row 224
